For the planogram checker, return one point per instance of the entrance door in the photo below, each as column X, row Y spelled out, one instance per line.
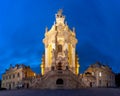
column 107, row 84
column 59, row 81
column 27, row 85
column 9, row 86
column 90, row 84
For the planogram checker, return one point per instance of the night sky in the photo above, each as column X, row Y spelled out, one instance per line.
column 23, row 22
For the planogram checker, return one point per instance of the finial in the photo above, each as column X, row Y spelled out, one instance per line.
column 65, row 22
column 46, row 29
column 73, row 29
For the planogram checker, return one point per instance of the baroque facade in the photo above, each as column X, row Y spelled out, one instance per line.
column 14, row 76
column 99, row 75
column 60, row 67
column 60, row 47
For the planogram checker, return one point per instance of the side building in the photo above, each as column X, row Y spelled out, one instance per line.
column 14, row 76
column 99, row 75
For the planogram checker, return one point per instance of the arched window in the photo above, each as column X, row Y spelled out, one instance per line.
column 25, row 74
column 18, row 74
column 13, row 75
column 13, row 84
column 59, row 81
column 3, row 78
column 59, row 48
column 100, row 74
column 59, row 67
column 9, row 76
column 6, row 77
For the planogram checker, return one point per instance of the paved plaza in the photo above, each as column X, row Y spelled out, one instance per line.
column 77, row 92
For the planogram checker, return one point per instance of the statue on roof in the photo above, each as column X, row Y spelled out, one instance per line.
column 60, row 17
column 60, row 12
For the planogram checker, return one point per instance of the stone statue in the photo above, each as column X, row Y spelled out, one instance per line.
column 46, row 29
column 53, row 56
column 66, row 53
column 53, row 53
column 60, row 12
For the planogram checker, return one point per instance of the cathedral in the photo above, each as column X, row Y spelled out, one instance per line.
column 60, row 47
column 60, row 66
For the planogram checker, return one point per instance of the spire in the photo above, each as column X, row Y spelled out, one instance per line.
column 73, row 29
column 60, row 17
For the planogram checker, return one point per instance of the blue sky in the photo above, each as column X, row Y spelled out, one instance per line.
column 23, row 22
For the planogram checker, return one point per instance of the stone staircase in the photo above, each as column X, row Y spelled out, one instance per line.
column 49, row 80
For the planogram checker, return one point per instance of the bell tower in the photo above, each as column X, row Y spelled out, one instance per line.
column 60, row 47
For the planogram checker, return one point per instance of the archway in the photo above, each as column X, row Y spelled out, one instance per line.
column 9, row 86
column 90, row 84
column 27, row 85
column 59, row 81
column 107, row 84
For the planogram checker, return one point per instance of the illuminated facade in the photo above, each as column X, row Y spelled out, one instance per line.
column 60, row 47
column 14, row 76
column 60, row 67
